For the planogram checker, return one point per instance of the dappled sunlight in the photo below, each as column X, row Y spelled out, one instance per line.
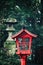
column 12, row 50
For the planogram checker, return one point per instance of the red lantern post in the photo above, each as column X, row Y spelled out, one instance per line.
column 23, row 43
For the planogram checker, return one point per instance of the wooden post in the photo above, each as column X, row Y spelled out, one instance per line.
column 23, row 59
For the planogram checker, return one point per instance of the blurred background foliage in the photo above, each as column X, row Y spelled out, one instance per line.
column 28, row 14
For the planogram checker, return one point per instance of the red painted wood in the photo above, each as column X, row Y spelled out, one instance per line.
column 23, row 30
column 21, row 45
column 23, row 60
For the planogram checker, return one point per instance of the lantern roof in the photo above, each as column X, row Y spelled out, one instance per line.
column 24, row 30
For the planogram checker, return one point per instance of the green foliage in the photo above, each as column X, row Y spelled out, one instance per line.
column 3, row 34
column 8, row 60
column 28, row 14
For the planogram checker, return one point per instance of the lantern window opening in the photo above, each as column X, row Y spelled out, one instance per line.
column 23, row 43
column 23, row 40
column 24, row 47
column 20, row 40
column 26, row 40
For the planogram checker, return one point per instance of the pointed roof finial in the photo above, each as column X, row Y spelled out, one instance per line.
column 23, row 27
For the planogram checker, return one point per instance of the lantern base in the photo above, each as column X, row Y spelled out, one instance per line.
column 23, row 55
column 24, row 52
